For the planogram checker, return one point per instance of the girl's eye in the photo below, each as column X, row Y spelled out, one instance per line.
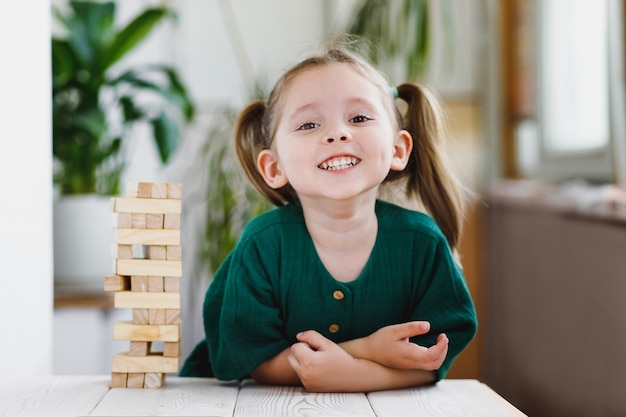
column 307, row 126
column 360, row 119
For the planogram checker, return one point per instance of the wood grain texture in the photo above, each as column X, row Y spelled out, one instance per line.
column 132, row 299
column 259, row 400
column 467, row 398
column 148, row 267
column 139, row 189
column 153, row 380
column 50, row 396
column 124, row 330
column 177, row 397
column 90, row 396
column 147, row 236
column 174, row 190
column 115, row 283
column 146, row 205
column 155, row 221
column 154, row 362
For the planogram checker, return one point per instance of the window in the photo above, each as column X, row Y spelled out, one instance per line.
column 578, row 127
column 573, row 76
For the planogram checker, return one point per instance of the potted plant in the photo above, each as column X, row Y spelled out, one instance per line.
column 94, row 109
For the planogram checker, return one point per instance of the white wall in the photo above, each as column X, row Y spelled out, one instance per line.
column 26, row 189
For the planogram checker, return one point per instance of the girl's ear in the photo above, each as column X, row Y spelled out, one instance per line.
column 270, row 169
column 401, row 150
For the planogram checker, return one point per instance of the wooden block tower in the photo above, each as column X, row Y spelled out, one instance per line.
column 147, row 251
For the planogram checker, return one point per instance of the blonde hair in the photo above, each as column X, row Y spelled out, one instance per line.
column 426, row 177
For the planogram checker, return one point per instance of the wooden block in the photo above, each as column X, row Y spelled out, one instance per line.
column 172, row 316
column 171, row 221
column 149, row 267
column 174, row 190
column 171, row 284
column 154, row 362
column 171, row 349
column 121, row 220
column 138, row 221
column 139, row 251
column 156, row 316
column 147, row 205
column 155, row 284
column 126, row 330
column 139, row 348
column 154, row 380
column 131, row 190
column 174, row 252
column 157, row 252
column 131, row 299
column 155, row 221
column 141, row 316
column 139, row 283
column 139, row 189
column 146, row 236
column 159, row 190
column 135, row 380
column 121, row 251
column 118, row 379
column 116, row 283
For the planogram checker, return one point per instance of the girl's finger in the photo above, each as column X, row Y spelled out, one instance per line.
column 313, row 339
column 409, row 329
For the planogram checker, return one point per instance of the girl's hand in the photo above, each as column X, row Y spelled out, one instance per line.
column 324, row 366
column 320, row 363
column 390, row 346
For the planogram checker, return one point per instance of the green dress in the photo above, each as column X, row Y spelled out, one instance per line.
column 273, row 285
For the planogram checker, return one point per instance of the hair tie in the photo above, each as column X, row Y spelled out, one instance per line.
column 394, row 92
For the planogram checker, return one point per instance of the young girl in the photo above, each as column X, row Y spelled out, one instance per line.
column 336, row 289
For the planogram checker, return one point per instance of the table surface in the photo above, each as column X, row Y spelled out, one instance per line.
column 68, row 396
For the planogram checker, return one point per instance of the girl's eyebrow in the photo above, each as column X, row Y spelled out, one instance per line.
column 351, row 100
column 302, row 109
column 360, row 100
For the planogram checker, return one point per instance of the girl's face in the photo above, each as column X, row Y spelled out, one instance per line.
column 334, row 138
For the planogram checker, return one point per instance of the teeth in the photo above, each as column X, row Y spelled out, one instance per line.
column 339, row 163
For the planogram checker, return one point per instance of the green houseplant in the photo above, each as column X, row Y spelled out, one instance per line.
column 399, row 34
column 96, row 104
column 94, row 107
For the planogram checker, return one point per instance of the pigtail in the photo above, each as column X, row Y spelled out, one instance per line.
column 250, row 137
column 250, row 140
column 427, row 175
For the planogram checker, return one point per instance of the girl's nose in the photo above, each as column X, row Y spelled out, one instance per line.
column 342, row 138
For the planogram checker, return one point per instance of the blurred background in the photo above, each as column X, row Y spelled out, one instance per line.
column 534, row 95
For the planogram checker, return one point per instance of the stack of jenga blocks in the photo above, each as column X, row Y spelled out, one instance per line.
column 148, row 269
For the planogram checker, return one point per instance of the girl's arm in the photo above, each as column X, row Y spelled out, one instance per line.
column 324, row 366
column 321, row 365
column 390, row 346
column 276, row 371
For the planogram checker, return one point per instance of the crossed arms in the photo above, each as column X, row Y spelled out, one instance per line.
column 386, row 359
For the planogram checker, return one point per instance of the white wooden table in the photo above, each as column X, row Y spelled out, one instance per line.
column 67, row 396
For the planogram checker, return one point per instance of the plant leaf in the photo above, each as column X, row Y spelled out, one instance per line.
column 166, row 135
column 135, row 32
column 63, row 62
column 90, row 30
column 130, row 111
column 178, row 91
column 174, row 93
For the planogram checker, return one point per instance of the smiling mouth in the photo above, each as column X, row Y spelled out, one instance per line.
column 340, row 162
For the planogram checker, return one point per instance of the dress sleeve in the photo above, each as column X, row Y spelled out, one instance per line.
column 446, row 303
column 243, row 323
